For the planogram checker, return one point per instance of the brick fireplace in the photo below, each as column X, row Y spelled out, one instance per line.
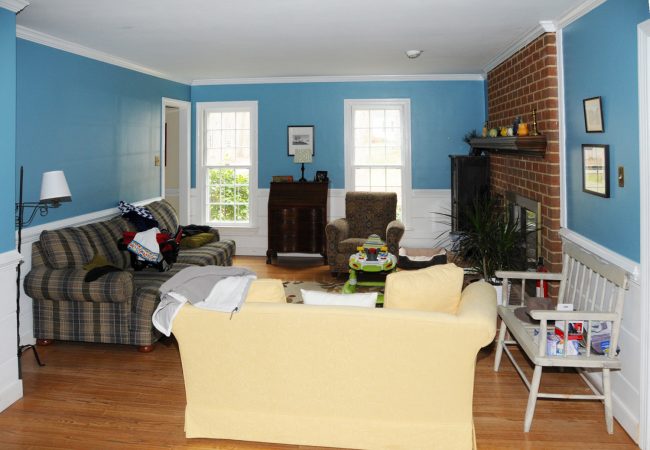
column 527, row 80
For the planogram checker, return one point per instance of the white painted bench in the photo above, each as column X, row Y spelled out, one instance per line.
column 596, row 290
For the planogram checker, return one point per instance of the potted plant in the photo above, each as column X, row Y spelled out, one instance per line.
column 490, row 241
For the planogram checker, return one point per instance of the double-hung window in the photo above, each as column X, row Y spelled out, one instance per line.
column 228, row 163
column 378, row 148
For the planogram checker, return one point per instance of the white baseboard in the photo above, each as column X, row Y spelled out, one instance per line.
column 10, row 394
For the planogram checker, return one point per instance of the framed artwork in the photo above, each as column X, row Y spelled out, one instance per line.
column 321, row 176
column 593, row 115
column 595, row 169
column 300, row 136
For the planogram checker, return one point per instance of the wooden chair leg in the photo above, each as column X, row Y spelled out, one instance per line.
column 607, row 392
column 499, row 350
column 532, row 398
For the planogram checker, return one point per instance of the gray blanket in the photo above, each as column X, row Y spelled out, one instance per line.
column 198, row 285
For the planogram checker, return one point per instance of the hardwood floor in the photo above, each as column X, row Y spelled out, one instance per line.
column 97, row 396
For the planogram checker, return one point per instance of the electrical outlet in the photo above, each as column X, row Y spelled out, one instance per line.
column 156, row 161
column 621, row 176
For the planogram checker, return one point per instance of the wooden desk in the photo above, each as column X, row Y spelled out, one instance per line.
column 297, row 218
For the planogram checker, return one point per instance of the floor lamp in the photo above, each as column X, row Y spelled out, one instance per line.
column 54, row 190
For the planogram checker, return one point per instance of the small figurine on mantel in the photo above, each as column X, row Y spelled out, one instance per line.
column 515, row 125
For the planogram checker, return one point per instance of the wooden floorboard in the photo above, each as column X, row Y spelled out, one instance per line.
column 98, row 396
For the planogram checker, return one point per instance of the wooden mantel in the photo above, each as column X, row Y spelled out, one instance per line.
column 512, row 145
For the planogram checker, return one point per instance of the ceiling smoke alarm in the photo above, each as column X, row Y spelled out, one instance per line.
column 412, row 54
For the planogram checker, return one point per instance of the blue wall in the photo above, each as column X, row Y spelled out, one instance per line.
column 99, row 123
column 7, row 127
column 600, row 59
column 441, row 113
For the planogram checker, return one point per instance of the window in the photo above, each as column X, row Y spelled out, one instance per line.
column 228, row 164
column 377, row 148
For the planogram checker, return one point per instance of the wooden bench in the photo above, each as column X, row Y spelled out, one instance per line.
column 596, row 289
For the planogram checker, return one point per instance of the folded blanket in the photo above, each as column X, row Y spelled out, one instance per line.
column 216, row 288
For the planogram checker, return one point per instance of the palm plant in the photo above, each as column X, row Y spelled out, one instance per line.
column 490, row 241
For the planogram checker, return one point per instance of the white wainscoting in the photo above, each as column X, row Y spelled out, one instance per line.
column 11, row 388
column 425, row 229
column 31, row 235
column 626, row 383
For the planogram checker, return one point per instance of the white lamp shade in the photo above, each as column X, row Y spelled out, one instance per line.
column 302, row 155
column 54, row 187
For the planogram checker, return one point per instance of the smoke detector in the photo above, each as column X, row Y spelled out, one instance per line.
column 412, row 54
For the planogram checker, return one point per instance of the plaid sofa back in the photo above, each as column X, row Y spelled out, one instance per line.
column 165, row 214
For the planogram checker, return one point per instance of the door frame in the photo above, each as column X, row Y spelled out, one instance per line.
column 184, row 155
column 643, row 47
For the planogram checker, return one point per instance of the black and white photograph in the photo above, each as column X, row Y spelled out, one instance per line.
column 299, row 137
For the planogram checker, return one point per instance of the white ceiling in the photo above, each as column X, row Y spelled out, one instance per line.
column 222, row 39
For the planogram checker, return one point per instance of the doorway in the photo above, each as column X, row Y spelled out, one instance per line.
column 175, row 156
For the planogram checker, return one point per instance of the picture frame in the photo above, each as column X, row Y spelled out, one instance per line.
column 593, row 110
column 321, row 176
column 300, row 136
column 595, row 169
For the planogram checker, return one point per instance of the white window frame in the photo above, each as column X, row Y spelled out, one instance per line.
column 396, row 103
column 201, row 109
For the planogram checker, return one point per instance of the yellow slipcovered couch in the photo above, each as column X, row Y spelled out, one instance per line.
column 334, row 376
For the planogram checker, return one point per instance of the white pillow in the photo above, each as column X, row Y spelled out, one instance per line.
column 367, row 300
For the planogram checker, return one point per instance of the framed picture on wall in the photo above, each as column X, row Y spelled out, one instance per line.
column 300, row 136
column 593, row 115
column 595, row 169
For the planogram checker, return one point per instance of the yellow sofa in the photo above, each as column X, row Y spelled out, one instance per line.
column 334, row 376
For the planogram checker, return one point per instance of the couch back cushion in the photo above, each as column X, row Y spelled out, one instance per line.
column 66, row 248
column 165, row 214
column 436, row 288
column 103, row 237
column 370, row 212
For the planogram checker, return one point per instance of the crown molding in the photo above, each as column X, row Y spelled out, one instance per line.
column 14, row 5
column 340, row 79
column 578, row 12
column 70, row 47
column 544, row 26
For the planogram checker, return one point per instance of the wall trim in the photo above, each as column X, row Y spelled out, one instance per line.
column 632, row 267
column 32, row 234
column 643, row 57
column 544, row 26
column 14, row 6
column 561, row 111
column 340, row 79
column 578, row 12
column 78, row 49
column 10, row 259
column 11, row 394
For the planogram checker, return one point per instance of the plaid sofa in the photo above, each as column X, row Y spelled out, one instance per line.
column 117, row 307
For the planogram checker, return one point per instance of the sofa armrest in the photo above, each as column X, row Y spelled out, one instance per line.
column 337, row 230
column 215, row 231
column 478, row 304
column 394, row 233
column 43, row 283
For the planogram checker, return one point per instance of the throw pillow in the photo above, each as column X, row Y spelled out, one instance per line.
column 197, row 240
column 366, row 300
column 435, row 288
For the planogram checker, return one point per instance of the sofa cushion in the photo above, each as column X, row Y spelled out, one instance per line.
column 66, row 248
column 266, row 290
column 103, row 237
column 218, row 253
column 197, row 240
column 435, row 288
column 165, row 214
column 349, row 246
column 366, row 300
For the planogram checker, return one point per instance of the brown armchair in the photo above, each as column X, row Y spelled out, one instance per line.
column 366, row 213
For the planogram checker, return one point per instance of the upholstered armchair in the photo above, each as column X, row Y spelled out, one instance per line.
column 366, row 213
